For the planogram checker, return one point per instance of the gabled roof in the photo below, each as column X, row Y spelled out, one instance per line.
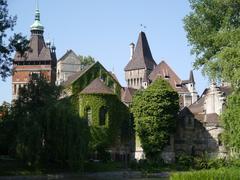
column 38, row 51
column 77, row 75
column 127, row 94
column 67, row 54
column 97, row 86
column 142, row 56
column 163, row 70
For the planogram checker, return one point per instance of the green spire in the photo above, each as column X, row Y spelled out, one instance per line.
column 37, row 24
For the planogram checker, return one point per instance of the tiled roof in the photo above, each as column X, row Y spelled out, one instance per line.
column 163, row 70
column 97, row 86
column 67, row 54
column 142, row 56
column 212, row 119
column 198, row 106
column 38, row 50
column 127, row 94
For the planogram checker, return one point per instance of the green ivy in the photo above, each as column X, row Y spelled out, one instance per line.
column 105, row 136
column 96, row 70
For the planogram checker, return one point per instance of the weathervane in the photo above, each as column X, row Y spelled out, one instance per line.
column 143, row 27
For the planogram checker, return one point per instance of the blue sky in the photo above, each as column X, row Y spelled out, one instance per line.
column 104, row 29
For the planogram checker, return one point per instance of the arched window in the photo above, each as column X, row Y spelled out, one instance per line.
column 88, row 115
column 102, row 116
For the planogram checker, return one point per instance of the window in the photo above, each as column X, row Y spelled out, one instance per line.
column 88, row 115
column 14, row 89
column 220, row 140
column 189, row 122
column 102, row 116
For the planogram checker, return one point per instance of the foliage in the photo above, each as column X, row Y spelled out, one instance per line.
column 67, row 136
column 231, row 121
column 104, row 136
column 29, row 112
column 97, row 70
column 155, row 111
column 48, row 130
column 86, row 61
column 222, row 173
column 213, row 31
column 16, row 42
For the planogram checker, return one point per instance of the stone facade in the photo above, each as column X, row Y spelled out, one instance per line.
column 142, row 70
column 67, row 65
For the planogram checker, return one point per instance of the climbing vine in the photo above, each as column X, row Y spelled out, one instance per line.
column 104, row 136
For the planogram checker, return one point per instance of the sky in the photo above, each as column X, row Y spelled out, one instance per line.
column 104, row 29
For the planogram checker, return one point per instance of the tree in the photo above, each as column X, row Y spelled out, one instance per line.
column 29, row 113
column 155, row 112
column 213, row 31
column 67, row 135
column 231, row 121
column 48, row 130
column 17, row 42
column 86, row 61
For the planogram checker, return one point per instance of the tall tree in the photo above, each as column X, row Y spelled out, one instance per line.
column 49, row 130
column 213, row 31
column 8, row 44
column 231, row 122
column 29, row 112
column 155, row 112
column 86, row 61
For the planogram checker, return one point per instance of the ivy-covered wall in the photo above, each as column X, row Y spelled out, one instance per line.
column 117, row 117
column 96, row 70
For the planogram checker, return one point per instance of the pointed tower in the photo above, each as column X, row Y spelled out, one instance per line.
column 39, row 59
column 140, row 65
column 191, row 87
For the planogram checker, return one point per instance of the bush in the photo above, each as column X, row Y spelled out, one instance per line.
column 184, row 162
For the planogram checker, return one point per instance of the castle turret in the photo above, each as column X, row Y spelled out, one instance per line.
column 140, row 65
column 39, row 59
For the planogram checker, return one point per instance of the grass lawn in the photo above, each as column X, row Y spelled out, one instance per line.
column 222, row 173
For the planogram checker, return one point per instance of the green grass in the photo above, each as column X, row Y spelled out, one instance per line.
column 211, row 174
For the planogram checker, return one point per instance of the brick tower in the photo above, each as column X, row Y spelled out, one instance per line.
column 39, row 59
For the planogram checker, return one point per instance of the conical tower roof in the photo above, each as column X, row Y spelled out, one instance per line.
column 37, row 26
column 142, row 56
column 191, row 77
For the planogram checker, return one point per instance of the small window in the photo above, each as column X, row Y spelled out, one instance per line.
column 220, row 140
column 88, row 115
column 102, row 116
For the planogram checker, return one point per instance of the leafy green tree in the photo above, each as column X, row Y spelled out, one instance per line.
column 231, row 121
column 86, row 61
column 9, row 44
column 155, row 112
column 49, row 130
column 29, row 113
column 213, row 31
column 67, row 135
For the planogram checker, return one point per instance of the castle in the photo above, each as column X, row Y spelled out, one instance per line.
column 99, row 92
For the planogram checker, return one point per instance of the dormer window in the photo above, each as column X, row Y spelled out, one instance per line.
column 178, row 85
column 166, row 76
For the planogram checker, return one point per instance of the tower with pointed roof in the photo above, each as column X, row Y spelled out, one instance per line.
column 140, row 65
column 40, row 58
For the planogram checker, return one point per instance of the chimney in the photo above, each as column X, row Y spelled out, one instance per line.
column 132, row 46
